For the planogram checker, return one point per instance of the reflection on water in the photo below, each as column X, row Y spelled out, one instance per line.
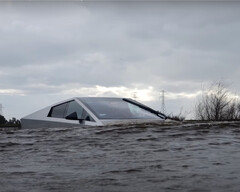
column 122, row 158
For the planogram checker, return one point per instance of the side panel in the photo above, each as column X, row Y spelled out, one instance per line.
column 30, row 124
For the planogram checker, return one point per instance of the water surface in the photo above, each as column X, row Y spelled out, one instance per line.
column 123, row 158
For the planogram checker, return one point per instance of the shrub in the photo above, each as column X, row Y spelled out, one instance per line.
column 217, row 104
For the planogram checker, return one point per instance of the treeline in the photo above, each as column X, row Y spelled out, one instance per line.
column 11, row 122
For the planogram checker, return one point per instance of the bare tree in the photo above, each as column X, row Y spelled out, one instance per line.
column 216, row 104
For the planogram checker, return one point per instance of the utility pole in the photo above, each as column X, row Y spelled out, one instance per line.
column 135, row 95
column 163, row 101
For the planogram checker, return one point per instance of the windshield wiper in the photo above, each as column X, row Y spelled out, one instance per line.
column 159, row 114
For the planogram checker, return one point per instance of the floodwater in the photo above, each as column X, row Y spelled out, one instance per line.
column 200, row 157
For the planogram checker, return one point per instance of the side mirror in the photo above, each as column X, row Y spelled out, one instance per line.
column 72, row 116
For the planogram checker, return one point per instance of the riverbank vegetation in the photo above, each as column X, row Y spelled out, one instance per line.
column 10, row 123
column 217, row 103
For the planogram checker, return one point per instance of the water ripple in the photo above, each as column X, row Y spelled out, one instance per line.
column 145, row 157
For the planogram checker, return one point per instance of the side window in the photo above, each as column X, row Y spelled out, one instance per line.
column 65, row 109
column 58, row 111
column 73, row 106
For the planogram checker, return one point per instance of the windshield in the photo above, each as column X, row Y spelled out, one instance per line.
column 116, row 108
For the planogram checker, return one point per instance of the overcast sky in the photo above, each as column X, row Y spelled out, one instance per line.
column 51, row 51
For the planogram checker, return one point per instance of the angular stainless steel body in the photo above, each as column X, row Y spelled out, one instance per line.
column 42, row 119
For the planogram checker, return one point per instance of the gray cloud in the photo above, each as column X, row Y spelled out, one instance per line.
column 47, row 47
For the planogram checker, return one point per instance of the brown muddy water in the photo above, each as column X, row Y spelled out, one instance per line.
column 190, row 157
